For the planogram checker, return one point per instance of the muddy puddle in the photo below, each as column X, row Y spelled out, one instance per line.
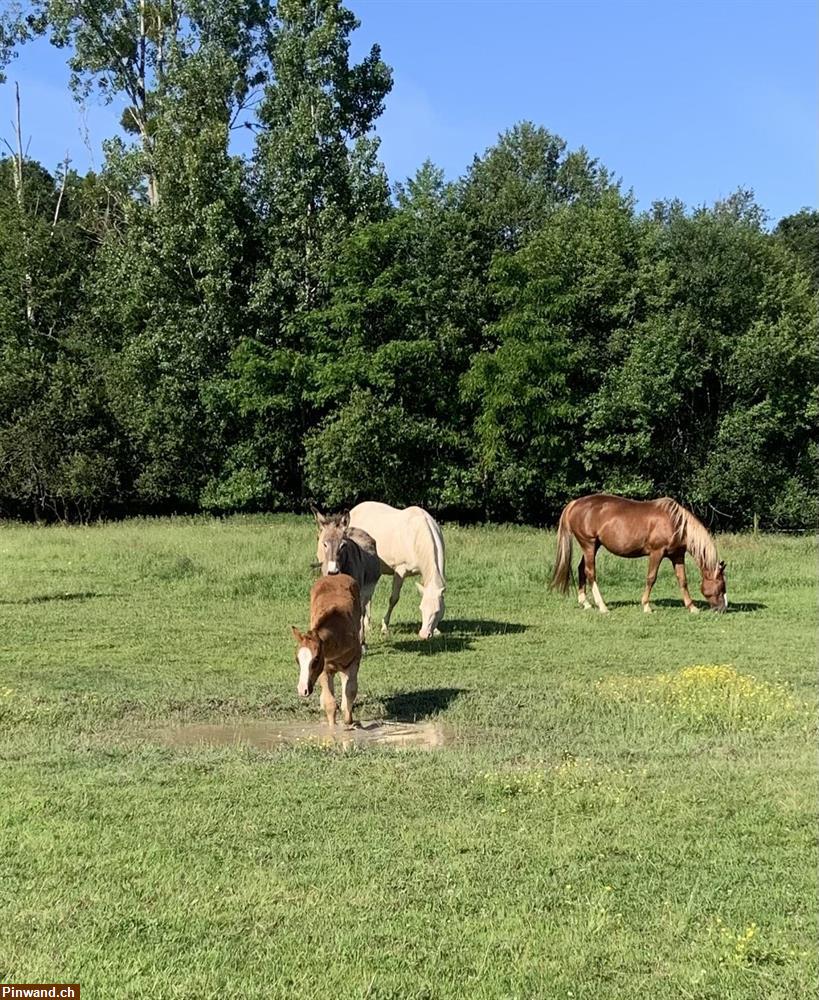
column 268, row 735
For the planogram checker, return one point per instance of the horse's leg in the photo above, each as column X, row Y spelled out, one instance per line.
column 654, row 560
column 582, row 600
column 328, row 696
column 397, row 584
column 362, row 627
column 349, row 689
column 366, row 609
column 678, row 559
column 591, row 575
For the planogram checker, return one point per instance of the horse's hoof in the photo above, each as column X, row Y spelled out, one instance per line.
column 363, row 649
column 586, row 606
column 437, row 631
column 604, row 611
column 694, row 610
column 385, row 630
column 647, row 609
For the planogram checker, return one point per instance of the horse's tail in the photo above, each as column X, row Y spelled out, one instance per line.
column 561, row 574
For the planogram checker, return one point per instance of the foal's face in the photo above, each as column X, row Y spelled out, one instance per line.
column 308, row 657
column 331, row 541
column 714, row 588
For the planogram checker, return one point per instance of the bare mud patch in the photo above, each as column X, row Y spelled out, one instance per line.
column 271, row 735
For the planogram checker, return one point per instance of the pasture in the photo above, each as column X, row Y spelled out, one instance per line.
column 607, row 823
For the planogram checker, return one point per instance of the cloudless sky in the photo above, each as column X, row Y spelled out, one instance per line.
column 688, row 100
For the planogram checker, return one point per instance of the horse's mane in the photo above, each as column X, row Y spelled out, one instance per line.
column 697, row 539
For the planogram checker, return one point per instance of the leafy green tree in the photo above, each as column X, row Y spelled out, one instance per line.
column 180, row 262
column 404, row 318
column 316, row 172
column 562, row 299
column 60, row 452
column 181, row 275
column 800, row 234
column 514, row 187
column 695, row 395
column 763, row 458
column 315, row 179
column 147, row 52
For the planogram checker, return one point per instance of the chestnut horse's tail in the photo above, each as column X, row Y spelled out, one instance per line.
column 562, row 573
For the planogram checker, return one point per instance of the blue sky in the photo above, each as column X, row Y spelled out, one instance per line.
column 688, row 100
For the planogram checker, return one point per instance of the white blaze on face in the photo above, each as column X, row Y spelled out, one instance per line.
column 305, row 658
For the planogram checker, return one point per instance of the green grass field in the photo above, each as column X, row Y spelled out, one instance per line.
column 609, row 823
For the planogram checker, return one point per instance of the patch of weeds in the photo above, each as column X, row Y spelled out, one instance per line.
column 576, row 778
column 745, row 947
column 710, row 696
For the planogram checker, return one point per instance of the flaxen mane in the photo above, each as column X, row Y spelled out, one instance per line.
column 693, row 532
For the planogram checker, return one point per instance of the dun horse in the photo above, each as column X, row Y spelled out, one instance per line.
column 332, row 645
column 342, row 549
column 409, row 543
column 659, row 529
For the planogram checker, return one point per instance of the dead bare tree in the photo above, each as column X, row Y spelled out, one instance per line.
column 18, row 161
column 56, row 218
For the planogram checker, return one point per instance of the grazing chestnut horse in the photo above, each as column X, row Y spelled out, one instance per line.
column 659, row 529
column 333, row 644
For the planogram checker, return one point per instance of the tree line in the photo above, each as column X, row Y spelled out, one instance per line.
column 190, row 329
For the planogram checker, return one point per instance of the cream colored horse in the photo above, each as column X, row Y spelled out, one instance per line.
column 409, row 543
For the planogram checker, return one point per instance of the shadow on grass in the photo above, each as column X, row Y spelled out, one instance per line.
column 457, row 635
column 480, row 626
column 409, row 706
column 82, row 595
column 671, row 602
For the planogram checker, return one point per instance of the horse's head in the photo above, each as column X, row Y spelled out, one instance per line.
column 310, row 660
column 332, row 538
column 714, row 588
column 432, row 609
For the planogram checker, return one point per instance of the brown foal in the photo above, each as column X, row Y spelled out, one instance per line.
column 333, row 644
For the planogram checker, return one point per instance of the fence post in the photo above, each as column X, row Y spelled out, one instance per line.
column 756, row 524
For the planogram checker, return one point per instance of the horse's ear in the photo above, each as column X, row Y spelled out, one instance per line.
column 321, row 520
column 344, row 520
column 296, row 634
column 721, row 567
